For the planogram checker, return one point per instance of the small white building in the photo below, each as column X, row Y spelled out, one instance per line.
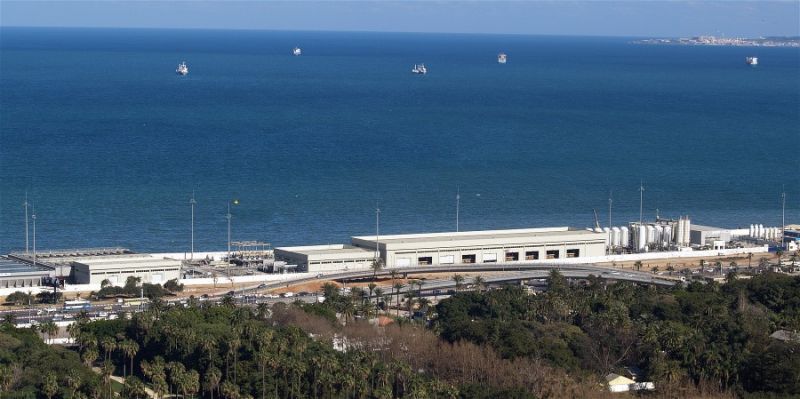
column 618, row 383
column 117, row 269
column 325, row 258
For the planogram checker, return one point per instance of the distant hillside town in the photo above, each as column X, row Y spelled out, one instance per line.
column 781, row 41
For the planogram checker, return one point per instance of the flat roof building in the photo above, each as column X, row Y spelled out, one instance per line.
column 16, row 274
column 324, row 258
column 117, row 269
column 488, row 246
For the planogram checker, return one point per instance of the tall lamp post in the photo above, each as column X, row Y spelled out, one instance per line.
column 33, row 217
column 26, row 204
column 192, row 202
column 458, row 205
column 229, row 216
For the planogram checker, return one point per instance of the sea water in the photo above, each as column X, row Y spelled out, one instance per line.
column 110, row 143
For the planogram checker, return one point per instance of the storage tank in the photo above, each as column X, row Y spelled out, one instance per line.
column 752, row 231
column 660, row 234
column 651, row 233
column 641, row 234
column 616, row 236
column 668, row 235
column 761, row 230
column 624, row 236
column 686, row 232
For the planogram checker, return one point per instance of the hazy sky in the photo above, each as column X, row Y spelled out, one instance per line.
column 613, row 18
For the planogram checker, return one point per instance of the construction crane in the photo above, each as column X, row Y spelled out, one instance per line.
column 596, row 219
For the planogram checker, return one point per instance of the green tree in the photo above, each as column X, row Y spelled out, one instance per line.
column 49, row 385
column 133, row 388
column 212, row 378
column 459, row 280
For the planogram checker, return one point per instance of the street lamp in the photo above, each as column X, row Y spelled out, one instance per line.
column 192, row 202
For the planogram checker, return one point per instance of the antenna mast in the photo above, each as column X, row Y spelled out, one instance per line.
column 458, row 205
column 25, row 204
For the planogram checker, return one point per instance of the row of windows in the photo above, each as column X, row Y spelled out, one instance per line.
column 470, row 249
column 135, row 271
column 510, row 256
column 340, row 261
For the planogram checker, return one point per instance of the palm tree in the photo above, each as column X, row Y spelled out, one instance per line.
column 212, row 377
column 376, row 266
column 109, row 345
column 73, row 380
column 134, row 388
column 378, row 297
column 638, row 265
column 419, row 285
column 459, row 280
column 397, row 288
column 654, row 269
column 49, row 385
column 393, row 274
column 129, row 348
column 106, row 372
column 191, row 383
column 49, row 328
column 479, row 282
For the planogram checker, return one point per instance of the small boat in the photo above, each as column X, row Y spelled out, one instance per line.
column 182, row 69
column 751, row 60
column 501, row 58
column 419, row 69
column 297, row 51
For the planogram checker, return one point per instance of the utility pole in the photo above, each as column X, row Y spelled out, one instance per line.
column 377, row 231
column 33, row 217
column 610, row 201
column 25, row 204
column 783, row 218
column 458, row 205
column 228, row 216
column 192, row 202
column 641, row 202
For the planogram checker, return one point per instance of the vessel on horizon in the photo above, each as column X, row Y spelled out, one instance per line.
column 297, row 51
column 501, row 58
column 751, row 60
column 419, row 69
column 182, row 69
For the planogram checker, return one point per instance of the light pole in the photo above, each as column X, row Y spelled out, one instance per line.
column 610, row 201
column 783, row 219
column 33, row 217
column 377, row 232
column 192, row 202
column 641, row 202
column 458, row 205
column 25, row 204
column 228, row 216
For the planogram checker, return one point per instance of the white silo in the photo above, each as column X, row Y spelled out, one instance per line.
column 616, row 236
column 761, row 232
column 651, row 234
column 687, row 237
column 624, row 236
column 752, row 231
column 641, row 234
column 667, row 235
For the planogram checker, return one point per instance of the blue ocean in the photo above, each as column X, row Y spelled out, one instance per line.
column 110, row 143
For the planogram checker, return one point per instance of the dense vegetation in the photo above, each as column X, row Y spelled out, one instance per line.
column 714, row 336
column 133, row 288
column 30, row 368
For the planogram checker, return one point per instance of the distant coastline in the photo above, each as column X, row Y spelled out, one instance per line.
column 793, row 41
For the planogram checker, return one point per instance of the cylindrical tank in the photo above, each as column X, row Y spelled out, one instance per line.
column 616, row 236
column 686, row 232
column 651, row 234
column 761, row 231
column 624, row 236
column 641, row 235
column 752, row 230
column 667, row 234
column 659, row 235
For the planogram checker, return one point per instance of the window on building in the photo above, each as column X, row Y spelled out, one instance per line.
column 425, row 260
column 512, row 256
column 573, row 253
column 531, row 255
column 468, row 258
column 552, row 254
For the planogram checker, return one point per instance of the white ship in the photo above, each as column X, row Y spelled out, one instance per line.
column 501, row 58
column 182, row 69
column 296, row 51
column 751, row 60
column 419, row 69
